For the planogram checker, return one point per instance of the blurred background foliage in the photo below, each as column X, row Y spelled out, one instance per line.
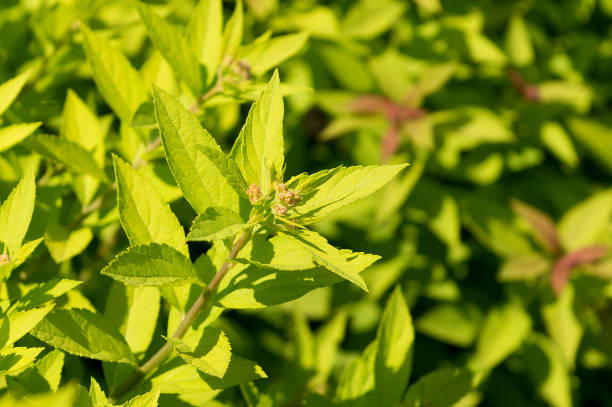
column 497, row 234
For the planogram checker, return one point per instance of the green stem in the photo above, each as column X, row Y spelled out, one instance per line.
column 203, row 302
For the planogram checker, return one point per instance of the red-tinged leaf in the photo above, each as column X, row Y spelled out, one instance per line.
column 544, row 228
column 369, row 104
column 390, row 142
column 564, row 266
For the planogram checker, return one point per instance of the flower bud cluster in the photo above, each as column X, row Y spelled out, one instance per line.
column 254, row 194
column 285, row 198
column 4, row 259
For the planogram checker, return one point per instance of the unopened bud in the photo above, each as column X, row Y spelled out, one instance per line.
column 289, row 197
column 4, row 259
column 279, row 210
column 279, row 187
column 254, row 193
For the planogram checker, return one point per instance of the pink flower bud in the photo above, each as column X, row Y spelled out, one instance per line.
column 279, row 210
column 254, row 193
column 279, row 187
column 4, row 259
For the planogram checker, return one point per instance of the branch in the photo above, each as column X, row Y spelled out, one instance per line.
column 198, row 306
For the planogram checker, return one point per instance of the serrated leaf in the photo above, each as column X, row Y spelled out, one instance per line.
column 232, row 33
column 15, row 134
column 280, row 253
column 204, row 34
column 118, row 82
column 200, row 176
column 170, row 41
column 583, row 223
column 151, row 265
column 211, row 355
column 357, row 379
column 16, row 213
column 10, row 89
column 84, row 333
column 216, row 223
column 144, row 400
column 395, row 341
column 327, row 256
column 503, row 331
column 440, row 388
column 22, row 322
column 44, row 292
column 80, row 125
column 14, row 360
column 73, row 156
column 329, row 190
column 259, row 148
column 144, row 215
column 178, row 377
column 97, row 395
column 43, row 376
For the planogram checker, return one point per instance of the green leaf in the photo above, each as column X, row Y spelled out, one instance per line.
column 259, row 148
column 14, row 360
column 204, row 34
column 134, row 311
column 232, row 34
column 357, row 379
column 10, row 89
column 265, row 55
column 329, row 190
column 278, row 281
column 594, row 137
column 151, row 265
column 177, row 377
column 559, row 143
column 80, row 125
column 97, row 395
column 16, row 213
column 367, row 19
column 22, row 322
column 203, row 172
column 547, row 369
column 562, row 324
column 211, row 355
column 440, row 388
column 518, row 42
column 84, row 333
column 455, row 324
column 44, row 292
column 503, row 331
column 144, row 215
column 144, row 400
column 118, row 82
column 15, row 134
column 524, row 266
column 280, row 253
column 73, row 156
column 44, row 376
column 577, row 95
column 327, row 256
column 395, row 341
column 584, row 223
column 216, row 223
column 173, row 46
column 64, row 244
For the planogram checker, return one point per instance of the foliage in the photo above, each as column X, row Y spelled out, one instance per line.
column 263, row 203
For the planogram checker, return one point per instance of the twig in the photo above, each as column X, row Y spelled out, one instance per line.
column 199, row 305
